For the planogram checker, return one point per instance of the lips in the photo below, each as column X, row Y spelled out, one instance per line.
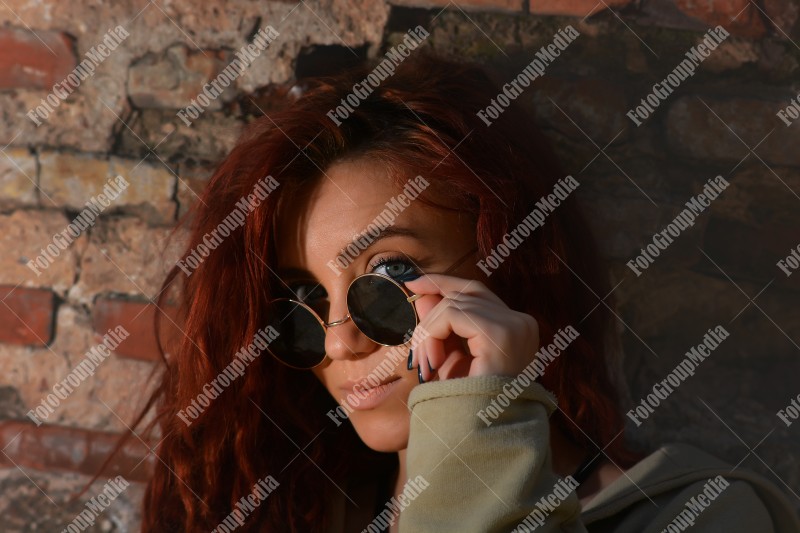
column 365, row 384
column 363, row 396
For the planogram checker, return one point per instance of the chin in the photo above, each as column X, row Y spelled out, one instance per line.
column 382, row 431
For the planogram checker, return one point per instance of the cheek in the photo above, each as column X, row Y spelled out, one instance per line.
column 386, row 428
column 325, row 375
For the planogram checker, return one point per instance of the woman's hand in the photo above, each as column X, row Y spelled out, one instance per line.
column 471, row 331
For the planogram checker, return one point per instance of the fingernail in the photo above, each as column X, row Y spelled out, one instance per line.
column 419, row 373
column 410, row 358
column 432, row 369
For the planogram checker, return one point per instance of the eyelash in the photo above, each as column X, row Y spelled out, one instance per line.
column 382, row 261
column 393, row 259
column 414, row 272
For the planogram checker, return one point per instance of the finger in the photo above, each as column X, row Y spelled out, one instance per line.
column 428, row 303
column 464, row 298
column 448, row 318
column 451, row 287
column 477, row 309
column 462, row 355
column 429, row 348
column 413, row 356
column 484, row 331
column 448, row 358
column 425, row 304
column 419, row 341
column 423, row 307
column 458, row 359
column 435, row 354
column 424, row 363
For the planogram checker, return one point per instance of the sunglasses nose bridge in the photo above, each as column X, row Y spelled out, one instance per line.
column 337, row 322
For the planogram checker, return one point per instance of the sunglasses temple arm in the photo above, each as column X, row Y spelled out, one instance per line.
column 415, row 297
column 460, row 260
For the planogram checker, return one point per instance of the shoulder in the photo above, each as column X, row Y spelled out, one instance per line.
column 680, row 485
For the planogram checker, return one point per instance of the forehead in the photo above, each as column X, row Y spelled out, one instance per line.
column 340, row 205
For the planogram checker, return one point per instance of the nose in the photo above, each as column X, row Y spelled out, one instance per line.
column 343, row 340
column 337, row 322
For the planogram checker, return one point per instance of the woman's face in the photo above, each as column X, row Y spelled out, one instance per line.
column 312, row 233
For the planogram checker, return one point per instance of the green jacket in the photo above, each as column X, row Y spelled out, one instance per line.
column 470, row 477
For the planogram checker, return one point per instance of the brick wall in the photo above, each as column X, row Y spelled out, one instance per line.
column 121, row 121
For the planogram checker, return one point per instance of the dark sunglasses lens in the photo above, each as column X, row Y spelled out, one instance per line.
column 301, row 339
column 380, row 310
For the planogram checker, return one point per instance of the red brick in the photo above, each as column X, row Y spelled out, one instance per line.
column 60, row 448
column 137, row 318
column 174, row 79
column 34, row 60
column 267, row 100
column 27, row 315
column 193, row 181
column 747, row 251
column 722, row 12
column 597, row 106
column 702, row 132
column 783, row 14
column 577, row 8
column 469, row 5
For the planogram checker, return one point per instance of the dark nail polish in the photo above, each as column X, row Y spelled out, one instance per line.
column 419, row 373
column 432, row 369
column 410, row 358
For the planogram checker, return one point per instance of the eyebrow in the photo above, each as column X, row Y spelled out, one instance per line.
column 390, row 231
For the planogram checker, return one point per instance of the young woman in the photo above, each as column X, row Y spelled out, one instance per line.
column 390, row 323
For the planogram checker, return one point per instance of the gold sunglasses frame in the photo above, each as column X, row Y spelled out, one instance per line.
column 410, row 298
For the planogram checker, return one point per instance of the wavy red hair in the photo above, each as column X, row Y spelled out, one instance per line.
column 421, row 120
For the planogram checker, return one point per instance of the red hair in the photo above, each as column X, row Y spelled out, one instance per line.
column 421, row 120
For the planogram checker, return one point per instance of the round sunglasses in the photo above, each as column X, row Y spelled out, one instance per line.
column 380, row 307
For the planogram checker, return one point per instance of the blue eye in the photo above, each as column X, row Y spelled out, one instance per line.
column 397, row 268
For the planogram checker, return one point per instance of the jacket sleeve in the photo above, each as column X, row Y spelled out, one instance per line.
column 481, row 448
